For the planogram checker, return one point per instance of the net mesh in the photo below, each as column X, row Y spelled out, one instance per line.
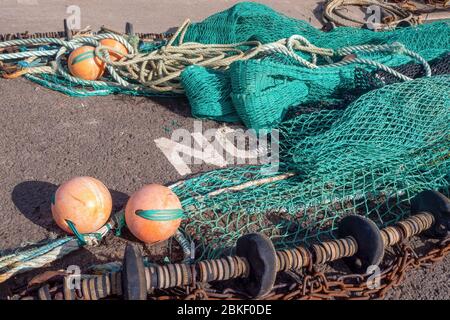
column 368, row 159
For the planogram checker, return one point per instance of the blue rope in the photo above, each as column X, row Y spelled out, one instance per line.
column 79, row 236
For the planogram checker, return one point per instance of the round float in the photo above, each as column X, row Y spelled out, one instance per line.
column 118, row 51
column 153, row 213
column 85, row 65
column 84, row 202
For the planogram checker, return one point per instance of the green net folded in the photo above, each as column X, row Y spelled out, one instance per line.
column 368, row 159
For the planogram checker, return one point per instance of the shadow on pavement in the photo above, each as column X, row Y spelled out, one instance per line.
column 33, row 200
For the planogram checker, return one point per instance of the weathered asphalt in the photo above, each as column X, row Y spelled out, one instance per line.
column 46, row 137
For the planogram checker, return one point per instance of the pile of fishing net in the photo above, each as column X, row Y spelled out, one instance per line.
column 259, row 91
column 362, row 116
column 353, row 138
column 368, row 159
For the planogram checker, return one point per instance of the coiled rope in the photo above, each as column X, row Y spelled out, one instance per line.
column 332, row 13
column 160, row 70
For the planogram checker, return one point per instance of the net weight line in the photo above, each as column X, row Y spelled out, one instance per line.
column 361, row 244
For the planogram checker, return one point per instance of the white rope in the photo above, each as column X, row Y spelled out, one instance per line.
column 40, row 261
column 297, row 42
column 159, row 70
column 37, row 257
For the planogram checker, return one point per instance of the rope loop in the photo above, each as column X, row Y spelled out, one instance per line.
column 333, row 12
column 394, row 48
column 90, row 239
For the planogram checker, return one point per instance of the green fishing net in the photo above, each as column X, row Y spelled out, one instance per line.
column 368, row 159
column 260, row 91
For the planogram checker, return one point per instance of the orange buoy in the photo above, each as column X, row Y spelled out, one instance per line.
column 85, row 65
column 117, row 46
column 85, row 202
column 153, row 213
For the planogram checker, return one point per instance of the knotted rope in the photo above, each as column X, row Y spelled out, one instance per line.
column 48, row 252
column 160, row 70
column 348, row 54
